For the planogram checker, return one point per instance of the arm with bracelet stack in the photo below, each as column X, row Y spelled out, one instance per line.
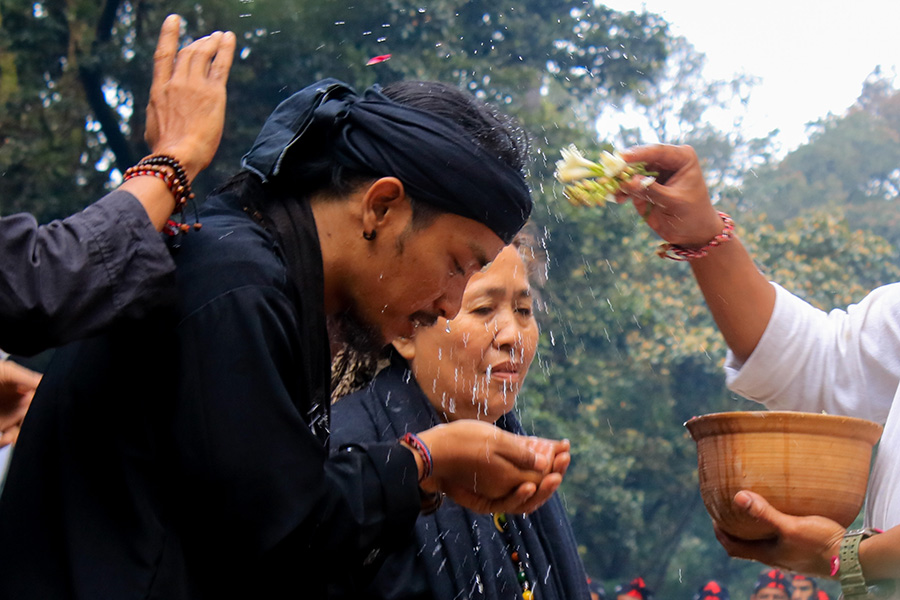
column 69, row 279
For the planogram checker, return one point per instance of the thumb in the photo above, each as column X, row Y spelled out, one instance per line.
column 759, row 508
column 14, row 374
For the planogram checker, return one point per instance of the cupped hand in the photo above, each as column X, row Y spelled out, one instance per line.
column 487, row 469
column 186, row 112
column 528, row 497
column 17, row 387
column 800, row 544
column 677, row 205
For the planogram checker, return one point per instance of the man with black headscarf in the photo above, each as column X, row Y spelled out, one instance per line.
column 372, row 210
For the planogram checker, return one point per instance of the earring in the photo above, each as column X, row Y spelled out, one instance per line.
column 369, row 235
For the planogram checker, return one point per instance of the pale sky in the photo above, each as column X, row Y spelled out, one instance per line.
column 811, row 55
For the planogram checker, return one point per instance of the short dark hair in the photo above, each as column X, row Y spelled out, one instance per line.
column 315, row 173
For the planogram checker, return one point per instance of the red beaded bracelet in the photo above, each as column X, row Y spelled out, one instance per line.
column 172, row 173
column 680, row 253
column 419, row 446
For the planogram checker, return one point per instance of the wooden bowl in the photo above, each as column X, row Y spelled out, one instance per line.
column 802, row 463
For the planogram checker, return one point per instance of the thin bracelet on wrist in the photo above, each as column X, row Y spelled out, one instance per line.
column 430, row 501
column 422, row 450
column 680, row 253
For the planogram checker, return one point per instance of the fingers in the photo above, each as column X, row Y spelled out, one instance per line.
column 221, row 64
column 661, row 157
column 522, row 495
column 15, row 375
column 545, row 490
column 762, row 550
column 525, row 499
column 164, row 56
column 194, row 61
column 759, row 508
column 186, row 109
column 533, row 453
column 210, row 56
column 561, row 463
column 752, row 550
column 10, row 435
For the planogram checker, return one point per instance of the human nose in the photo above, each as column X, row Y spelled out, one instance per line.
column 448, row 304
column 507, row 332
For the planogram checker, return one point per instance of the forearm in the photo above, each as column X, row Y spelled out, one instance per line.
column 739, row 297
column 69, row 279
column 154, row 196
column 678, row 208
column 879, row 555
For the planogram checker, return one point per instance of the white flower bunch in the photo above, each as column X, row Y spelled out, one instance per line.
column 588, row 183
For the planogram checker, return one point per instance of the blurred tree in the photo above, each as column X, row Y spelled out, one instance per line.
column 75, row 74
column 852, row 162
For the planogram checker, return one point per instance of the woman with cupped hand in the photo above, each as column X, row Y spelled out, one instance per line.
column 470, row 367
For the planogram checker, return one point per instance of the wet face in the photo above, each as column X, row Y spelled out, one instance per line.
column 803, row 590
column 472, row 367
column 418, row 275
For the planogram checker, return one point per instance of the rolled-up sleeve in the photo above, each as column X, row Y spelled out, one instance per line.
column 841, row 362
column 69, row 279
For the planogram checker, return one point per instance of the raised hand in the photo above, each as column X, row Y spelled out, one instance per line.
column 677, row 206
column 186, row 112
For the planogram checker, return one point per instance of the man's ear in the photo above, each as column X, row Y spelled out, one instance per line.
column 406, row 347
column 385, row 203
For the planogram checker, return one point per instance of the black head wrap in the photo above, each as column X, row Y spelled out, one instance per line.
column 433, row 157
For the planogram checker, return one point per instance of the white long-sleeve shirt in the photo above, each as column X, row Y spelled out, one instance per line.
column 843, row 363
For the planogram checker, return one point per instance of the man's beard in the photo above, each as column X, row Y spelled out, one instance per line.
column 349, row 329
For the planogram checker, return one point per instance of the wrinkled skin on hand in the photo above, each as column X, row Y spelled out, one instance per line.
column 186, row 112
column 488, row 470
column 800, row 544
column 17, row 387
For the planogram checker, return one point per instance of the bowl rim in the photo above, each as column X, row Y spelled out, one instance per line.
column 773, row 421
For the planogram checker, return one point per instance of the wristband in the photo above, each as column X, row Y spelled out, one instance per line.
column 419, row 446
column 171, row 172
column 849, row 571
column 680, row 253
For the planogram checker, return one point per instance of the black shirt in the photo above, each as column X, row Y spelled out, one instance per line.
column 174, row 456
column 69, row 279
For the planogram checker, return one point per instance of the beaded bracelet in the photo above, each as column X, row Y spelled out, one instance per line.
column 680, row 253
column 172, row 173
column 419, row 446
column 153, row 170
column 182, row 191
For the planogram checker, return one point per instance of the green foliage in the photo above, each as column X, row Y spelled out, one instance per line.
column 68, row 64
column 850, row 163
